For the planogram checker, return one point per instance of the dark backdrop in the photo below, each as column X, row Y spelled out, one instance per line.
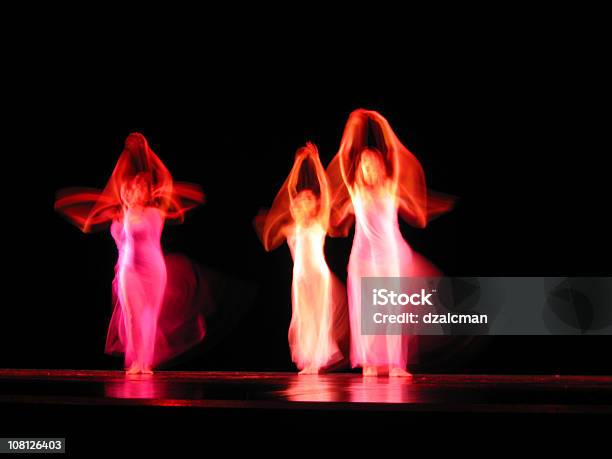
column 512, row 133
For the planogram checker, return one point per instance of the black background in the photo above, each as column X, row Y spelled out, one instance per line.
column 507, row 123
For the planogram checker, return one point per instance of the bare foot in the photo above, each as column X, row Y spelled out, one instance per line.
column 309, row 371
column 147, row 371
column 370, row 370
column 134, row 370
column 399, row 372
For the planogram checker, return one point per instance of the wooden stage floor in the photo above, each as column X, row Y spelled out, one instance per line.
column 287, row 391
column 84, row 406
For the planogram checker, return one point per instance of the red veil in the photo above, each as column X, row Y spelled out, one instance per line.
column 307, row 173
column 91, row 209
column 369, row 129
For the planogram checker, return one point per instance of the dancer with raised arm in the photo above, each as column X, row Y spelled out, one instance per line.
column 372, row 178
column 300, row 215
column 153, row 318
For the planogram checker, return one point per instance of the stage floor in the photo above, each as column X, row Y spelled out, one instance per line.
column 289, row 391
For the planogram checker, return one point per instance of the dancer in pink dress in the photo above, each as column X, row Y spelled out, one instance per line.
column 372, row 177
column 318, row 332
column 153, row 319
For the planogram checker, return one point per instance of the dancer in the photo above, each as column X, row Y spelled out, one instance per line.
column 372, row 177
column 153, row 318
column 300, row 214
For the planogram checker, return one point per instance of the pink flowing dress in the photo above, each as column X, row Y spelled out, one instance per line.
column 138, row 287
column 379, row 250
